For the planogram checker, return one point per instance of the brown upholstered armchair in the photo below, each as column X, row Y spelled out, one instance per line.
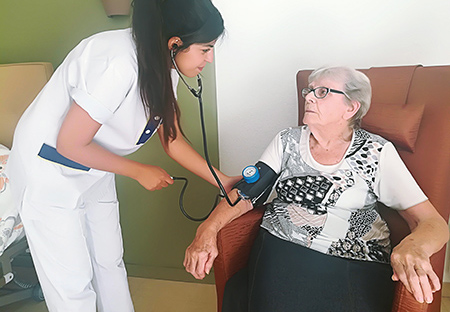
column 411, row 108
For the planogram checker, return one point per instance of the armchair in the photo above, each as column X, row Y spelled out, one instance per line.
column 411, row 108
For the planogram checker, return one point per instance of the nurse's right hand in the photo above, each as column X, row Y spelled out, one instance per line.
column 153, row 177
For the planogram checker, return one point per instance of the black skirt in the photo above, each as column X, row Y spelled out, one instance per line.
column 283, row 277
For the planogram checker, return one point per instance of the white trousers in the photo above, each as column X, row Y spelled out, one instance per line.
column 78, row 252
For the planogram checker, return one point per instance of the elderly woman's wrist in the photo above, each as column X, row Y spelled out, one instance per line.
column 208, row 226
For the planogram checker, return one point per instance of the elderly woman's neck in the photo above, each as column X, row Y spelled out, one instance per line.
column 328, row 138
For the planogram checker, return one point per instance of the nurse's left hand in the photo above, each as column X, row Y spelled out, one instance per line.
column 153, row 177
column 229, row 182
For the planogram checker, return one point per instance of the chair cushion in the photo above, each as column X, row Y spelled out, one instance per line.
column 396, row 123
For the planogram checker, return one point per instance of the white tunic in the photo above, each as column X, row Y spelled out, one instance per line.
column 101, row 75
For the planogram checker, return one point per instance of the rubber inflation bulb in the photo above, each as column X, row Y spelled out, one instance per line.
column 250, row 174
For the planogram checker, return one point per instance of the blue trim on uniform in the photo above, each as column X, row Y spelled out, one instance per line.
column 150, row 129
column 49, row 153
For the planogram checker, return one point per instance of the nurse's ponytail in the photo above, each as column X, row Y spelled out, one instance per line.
column 154, row 23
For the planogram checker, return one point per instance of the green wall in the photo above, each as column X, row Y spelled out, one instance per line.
column 155, row 232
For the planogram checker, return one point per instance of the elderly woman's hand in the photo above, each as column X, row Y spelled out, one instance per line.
column 199, row 256
column 412, row 267
column 410, row 259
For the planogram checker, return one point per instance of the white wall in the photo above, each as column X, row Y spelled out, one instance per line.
column 267, row 42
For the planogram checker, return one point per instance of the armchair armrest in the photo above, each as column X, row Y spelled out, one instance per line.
column 234, row 243
column 405, row 302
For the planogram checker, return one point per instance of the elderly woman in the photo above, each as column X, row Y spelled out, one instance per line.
column 322, row 245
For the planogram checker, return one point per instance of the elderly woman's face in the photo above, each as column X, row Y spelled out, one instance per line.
column 327, row 111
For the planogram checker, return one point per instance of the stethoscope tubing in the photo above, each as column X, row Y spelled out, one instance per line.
column 198, row 94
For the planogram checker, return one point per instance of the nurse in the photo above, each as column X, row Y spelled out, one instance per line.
column 108, row 97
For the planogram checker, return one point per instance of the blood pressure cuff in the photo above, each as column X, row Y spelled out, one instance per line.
column 258, row 191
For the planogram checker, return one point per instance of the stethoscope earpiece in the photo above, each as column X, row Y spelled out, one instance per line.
column 196, row 93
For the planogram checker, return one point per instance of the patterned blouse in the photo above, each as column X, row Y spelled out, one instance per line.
column 333, row 208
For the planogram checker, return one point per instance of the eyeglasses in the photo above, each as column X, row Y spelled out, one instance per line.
column 321, row 92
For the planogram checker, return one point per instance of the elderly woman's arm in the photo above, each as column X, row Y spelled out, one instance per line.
column 410, row 259
column 200, row 255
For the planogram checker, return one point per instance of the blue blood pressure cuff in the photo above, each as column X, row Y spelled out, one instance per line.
column 257, row 182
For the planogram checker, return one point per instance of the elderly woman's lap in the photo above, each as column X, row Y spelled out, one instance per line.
column 282, row 276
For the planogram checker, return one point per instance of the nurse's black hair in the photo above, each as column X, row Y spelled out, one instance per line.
column 154, row 23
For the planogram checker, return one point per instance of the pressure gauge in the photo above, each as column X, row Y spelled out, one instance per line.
column 250, row 174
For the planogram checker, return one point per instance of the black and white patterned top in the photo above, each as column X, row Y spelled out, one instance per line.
column 332, row 208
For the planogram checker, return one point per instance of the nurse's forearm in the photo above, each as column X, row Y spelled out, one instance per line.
column 75, row 141
column 180, row 151
column 96, row 157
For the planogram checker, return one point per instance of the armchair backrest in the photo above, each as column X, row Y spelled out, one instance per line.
column 19, row 85
column 411, row 108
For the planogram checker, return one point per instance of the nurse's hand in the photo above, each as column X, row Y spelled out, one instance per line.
column 199, row 256
column 229, row 182
column 153, row 177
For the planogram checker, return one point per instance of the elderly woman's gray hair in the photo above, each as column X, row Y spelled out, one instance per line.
column 356, row 86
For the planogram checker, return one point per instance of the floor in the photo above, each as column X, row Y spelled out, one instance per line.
column 150, row 295
column 167, row 296
column 445, row 303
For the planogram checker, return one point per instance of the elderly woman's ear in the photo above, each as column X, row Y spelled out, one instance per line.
column 352, row 109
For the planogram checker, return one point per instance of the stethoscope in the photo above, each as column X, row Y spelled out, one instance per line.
column 198, row 94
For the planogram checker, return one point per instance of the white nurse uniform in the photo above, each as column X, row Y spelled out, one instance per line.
column 70, row 212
